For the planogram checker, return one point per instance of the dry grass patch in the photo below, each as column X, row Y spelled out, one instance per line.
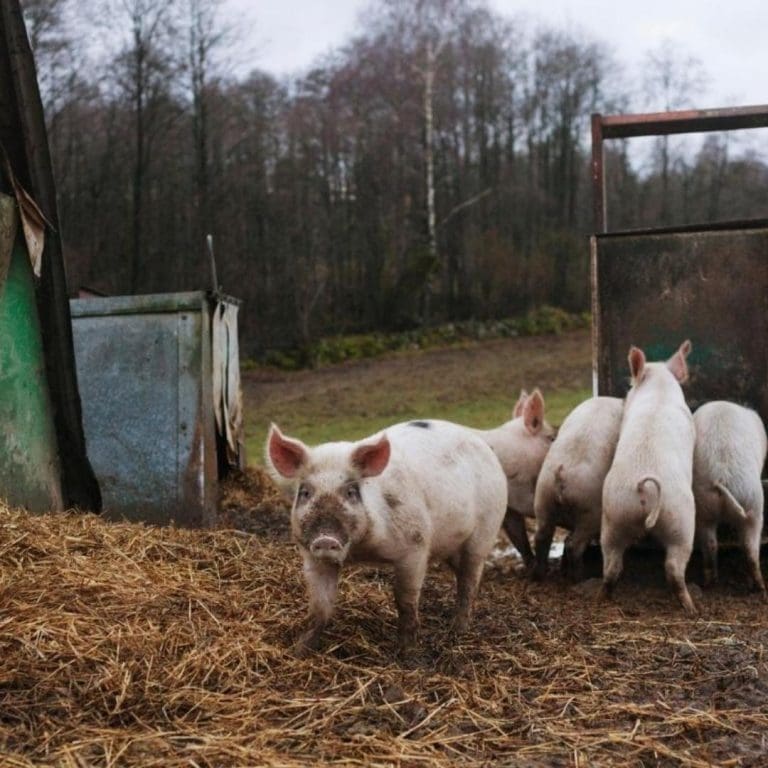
column 134, row 646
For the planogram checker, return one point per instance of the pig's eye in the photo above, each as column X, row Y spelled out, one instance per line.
column 304, row 493
column 352, row 492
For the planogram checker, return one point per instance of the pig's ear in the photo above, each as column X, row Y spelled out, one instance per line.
column 518, row 410
column 370, row 459
column 677, row 363
column 286, row 455
column 533, row 412
column 636, row 363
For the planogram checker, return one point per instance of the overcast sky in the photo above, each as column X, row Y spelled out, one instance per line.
column 286, row 36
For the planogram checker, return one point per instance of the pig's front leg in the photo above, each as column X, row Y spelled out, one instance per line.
column 409, row 577
column 322, row 582
column 468, row 575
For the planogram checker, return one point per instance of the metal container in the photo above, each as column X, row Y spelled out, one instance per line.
column 146, row 371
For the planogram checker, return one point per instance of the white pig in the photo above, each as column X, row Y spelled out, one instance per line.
column 648, row 488
column 569, row 491
column 521, row 445
column 417, row 491
column 727, row 464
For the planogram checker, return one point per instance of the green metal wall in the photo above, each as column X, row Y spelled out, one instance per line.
column 29, row 463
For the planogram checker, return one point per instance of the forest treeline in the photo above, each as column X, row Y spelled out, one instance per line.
column 434, row 168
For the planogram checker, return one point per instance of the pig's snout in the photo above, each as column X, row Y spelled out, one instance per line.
column 323, row 544
column 328, row 547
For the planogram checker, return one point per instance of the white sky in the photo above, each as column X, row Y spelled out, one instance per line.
column 286, row 36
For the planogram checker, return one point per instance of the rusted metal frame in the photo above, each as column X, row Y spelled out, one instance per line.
column 685, row 121
column 597, row 385
column 660, row 124
column 598, row 174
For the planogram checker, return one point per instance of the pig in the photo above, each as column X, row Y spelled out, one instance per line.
column 417, row 491
column 727, row 463
column 569, row 491
column 648, row 487
column 521, row 445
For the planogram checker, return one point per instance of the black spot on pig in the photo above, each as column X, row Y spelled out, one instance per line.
column 420, row 424
column 392, row 500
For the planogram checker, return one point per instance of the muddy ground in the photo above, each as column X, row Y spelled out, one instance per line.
column 127, row 645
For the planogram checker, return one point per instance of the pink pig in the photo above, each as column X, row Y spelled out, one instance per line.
column 648, row 488
column 418, row 491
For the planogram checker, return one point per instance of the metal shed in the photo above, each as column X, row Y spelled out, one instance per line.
column 159, row 376
column 656, row 287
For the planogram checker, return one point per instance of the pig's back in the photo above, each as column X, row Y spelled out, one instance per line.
column 588, row 435
column 456, row 478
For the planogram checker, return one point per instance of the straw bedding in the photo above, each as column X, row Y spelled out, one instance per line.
column 127, row 645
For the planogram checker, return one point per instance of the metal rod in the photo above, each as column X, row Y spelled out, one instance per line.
column 214, row 276
column 684, row 121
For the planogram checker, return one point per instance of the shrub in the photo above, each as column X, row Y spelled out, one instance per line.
column 337, row 349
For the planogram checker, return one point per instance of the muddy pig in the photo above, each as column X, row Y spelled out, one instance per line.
column 727, row 463
column 648, row 488
column 521, row 445
column 417, row 491
column 569, row 490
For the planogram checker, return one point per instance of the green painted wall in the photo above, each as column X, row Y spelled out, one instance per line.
column 29, row 464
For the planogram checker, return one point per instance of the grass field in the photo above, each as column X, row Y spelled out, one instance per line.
column 476, row 384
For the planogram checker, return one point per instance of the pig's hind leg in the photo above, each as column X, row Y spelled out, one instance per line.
column 514, row 527
column 613, row 548
column 706, row 537
column 575, row 546
column 674, row 567
column 545, row 531
column 751, row 533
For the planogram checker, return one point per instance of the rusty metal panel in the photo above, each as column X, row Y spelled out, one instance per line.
column 654, row 289
column 145, row 369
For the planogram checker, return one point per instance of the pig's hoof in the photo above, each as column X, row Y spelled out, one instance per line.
column 538, row 573
column 301, row 650
column 404, row 651
column 406, row 642
column 605, row 594
column 459, row 627
column 305, row 645
column 688, row 605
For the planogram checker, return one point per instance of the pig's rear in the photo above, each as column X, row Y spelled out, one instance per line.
column 728, row 461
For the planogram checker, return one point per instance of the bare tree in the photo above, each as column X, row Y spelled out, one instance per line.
column 206, row 35
column 145, row 67
column 671, row 80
